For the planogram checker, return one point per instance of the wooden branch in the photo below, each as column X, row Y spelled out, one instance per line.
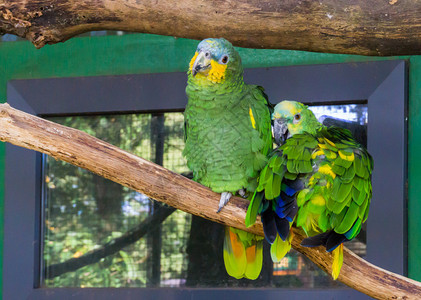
column 111, row 247
column 83, row 150
column 367, row 27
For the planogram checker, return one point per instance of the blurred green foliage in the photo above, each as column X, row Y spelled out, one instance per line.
column 84, row 211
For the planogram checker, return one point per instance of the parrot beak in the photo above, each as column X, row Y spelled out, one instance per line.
column 201, row 64
column 280, row 131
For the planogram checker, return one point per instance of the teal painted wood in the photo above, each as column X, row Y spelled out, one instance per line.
column 142, row 53
column 414, row 169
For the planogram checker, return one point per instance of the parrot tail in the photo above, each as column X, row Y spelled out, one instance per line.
column 338, row 258
column 280, row 248
column 334, row 243
column 286, row 204
column 243, row 254
column 330, row 239
column 277, row 217
column 274, row 225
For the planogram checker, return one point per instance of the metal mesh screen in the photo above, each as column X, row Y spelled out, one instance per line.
column 84, row 212
column 100, row 234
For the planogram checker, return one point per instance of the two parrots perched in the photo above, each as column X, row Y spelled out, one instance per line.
column 319, row 177
column 228, row 138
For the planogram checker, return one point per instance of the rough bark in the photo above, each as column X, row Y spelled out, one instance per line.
column 83, row 150
column 367, row 27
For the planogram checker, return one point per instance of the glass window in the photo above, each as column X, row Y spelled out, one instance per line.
column 85, row 213
column 57, row 233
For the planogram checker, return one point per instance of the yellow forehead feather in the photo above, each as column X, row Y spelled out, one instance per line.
column 276, row 115
column 289, row 106
column 285, row 108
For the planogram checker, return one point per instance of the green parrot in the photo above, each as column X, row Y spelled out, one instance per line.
column 319, row 177
column 228, row 138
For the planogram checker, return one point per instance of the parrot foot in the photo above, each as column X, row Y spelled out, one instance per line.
column 242, row 193
column 225, row 197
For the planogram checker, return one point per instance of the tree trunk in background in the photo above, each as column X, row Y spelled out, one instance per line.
column 367, row 27
column 108, row 198
column 155, row 236
column 204, row 250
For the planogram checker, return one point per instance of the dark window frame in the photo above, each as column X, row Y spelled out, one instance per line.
column 381, row 84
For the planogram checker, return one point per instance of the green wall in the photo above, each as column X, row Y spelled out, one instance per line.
column 141, row 53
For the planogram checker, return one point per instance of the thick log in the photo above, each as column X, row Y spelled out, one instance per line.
column 83, row 150
column 367, row 27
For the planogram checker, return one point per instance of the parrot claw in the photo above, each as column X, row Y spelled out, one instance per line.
column 242, row 193
column 225, row 197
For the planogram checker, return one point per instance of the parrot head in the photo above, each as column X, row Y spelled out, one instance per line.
column 215, row 61
column 291, row 117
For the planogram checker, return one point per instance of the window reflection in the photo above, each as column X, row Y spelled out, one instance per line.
column 84, row 211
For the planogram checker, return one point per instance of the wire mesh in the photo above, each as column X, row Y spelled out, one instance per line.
column 85, row 213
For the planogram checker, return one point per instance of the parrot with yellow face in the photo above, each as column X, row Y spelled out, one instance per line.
column 228, row 137
column 318, row 178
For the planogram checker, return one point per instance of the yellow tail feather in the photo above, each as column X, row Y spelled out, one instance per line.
column 234, row 255
column 254, row 260
column 338, row 258
column 241, row 261
column 280, row 248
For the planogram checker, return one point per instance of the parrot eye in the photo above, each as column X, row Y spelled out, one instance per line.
column 224, row 59
column 297, row 118
column 207, row 54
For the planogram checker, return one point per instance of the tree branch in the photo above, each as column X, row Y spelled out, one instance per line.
column 111, row 247
column 367, row 27
column 83, row 150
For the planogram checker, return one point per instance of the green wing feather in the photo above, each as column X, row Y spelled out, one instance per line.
column 250, row 265
column 260, row 122
column 287, row 161
column 342, row 181
column 254, row 208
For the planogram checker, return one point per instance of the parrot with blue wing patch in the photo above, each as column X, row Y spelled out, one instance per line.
column 318, row 178
column 228, row 137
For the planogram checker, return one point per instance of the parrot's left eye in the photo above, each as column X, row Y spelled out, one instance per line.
column 297, row 118
column 224, row 59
